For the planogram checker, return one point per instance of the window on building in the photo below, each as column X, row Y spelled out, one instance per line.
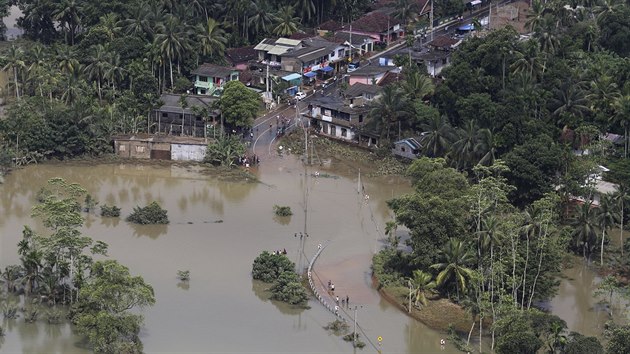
column 344, row 132
column 202, row 91
column 402, row 148
column 203, row 78
column 333, row 130
column 360, row 118
column 164, row 114
column 140, row 149
column 122, row 148
column 340, row 52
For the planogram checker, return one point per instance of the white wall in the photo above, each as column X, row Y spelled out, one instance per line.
column 186, row 152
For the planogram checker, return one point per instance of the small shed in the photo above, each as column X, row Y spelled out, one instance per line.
column 408, row 148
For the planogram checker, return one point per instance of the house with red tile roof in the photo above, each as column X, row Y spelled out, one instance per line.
column 381, row 27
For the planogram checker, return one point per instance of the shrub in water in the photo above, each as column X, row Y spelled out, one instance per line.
column 282, row 210
column 110, row 211
column 150, row 214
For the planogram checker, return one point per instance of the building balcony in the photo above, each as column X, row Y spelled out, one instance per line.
column 204, row 85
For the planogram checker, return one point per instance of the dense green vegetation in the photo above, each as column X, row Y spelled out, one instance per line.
column 278, row 269
column 58, row 269
column 282, row 210
column 490, row 218
column 148, row 215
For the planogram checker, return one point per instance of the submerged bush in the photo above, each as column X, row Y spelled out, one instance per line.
column 110, row 211
column 288, row 288
column 150, row 214
column 282, row 210
column 268, row 267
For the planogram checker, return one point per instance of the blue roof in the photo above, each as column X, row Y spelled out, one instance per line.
column 310, row 74
column 326, row 69
column 292, row 77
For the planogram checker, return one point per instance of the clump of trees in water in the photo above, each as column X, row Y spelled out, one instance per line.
column 279, row 270
column 149, row 215
column 110, row 211
column 282, row 210
column 58, row 270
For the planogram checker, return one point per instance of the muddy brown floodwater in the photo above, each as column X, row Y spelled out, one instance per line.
column 221, row 309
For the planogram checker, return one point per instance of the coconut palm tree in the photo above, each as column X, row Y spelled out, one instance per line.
column 68, row 13
column 456, row 259
column 584, row 228
column 306, row 8
column 486, row 147
column 172, row 40
column 421, row 284
column 604, row 8
column 137, row 23
column 390, row 108
column 406, row 10
column 211, row 38
column 463, row 149
column 607, row 216
column 262, row 18
column 621, row 196
column 535, row 15
column 417, row 85
column 114, row 72
column 621, row 116
column 97, row 67
column 110, row 25
column 67, row 58
column 569, row 103
column 15, row 62
column 286, row 22
column 438, row 136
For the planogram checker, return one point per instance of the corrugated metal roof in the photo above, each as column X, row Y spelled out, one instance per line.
column 288, row 42
column 291, row 77
column 277, row 50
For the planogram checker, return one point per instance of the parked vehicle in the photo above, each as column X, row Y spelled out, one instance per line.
column 300, row 96
column 353, row 66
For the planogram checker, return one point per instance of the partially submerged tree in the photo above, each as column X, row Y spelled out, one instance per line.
column 150, row 214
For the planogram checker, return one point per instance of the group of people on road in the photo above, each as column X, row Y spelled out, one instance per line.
column 343, row 301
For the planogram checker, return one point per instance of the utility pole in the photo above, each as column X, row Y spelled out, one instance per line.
column 409, row 281
column 354, row 334
column 387, row 31
column 431, row 19
column 350, row 41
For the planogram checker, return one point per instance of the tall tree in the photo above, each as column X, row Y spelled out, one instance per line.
column 390, row 108
column 438, row 135
column 607, row 216
column 97, row 67
column 172, row 40
column 286, row 22
column 211, row 38
column 15, row 62
column 456, row 258
column 68, row 13
column 584, row 228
